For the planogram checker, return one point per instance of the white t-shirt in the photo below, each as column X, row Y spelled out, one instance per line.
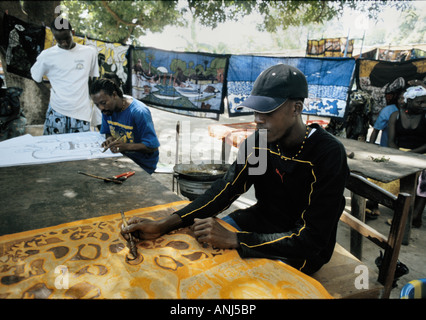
column 68, row 72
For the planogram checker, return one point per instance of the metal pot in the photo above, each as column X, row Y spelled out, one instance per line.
column 201, row 172
column 194, row 179
column 193, row 189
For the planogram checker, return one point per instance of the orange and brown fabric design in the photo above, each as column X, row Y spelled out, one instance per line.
column 88, row 259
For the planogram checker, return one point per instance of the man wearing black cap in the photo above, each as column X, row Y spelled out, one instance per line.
column 299, row 194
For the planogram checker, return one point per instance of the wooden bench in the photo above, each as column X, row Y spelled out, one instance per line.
column 343, row 275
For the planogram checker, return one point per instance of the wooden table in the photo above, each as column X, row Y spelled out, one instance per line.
column 396, row 165
column 38, row 196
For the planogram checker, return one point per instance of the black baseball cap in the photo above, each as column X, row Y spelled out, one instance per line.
column 274, row 86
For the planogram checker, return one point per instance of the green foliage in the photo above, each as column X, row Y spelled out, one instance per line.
column 412, row 27
column 124, row 21
column 120, row 21
column 279, row 15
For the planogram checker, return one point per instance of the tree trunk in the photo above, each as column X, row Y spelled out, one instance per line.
column 35, row 97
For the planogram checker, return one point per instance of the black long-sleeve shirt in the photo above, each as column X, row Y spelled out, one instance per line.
column 299, row 201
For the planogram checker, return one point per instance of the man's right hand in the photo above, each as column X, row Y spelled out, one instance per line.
column 107, row 142
column 146, row 229
column 141, row 229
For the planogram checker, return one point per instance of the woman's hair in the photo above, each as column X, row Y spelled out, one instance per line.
column 107, row 85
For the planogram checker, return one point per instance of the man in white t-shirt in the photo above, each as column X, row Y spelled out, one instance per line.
column 68, row 66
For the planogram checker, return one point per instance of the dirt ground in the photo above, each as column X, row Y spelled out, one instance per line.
column 412, row 255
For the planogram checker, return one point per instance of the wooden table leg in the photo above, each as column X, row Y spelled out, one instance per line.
column 408, row 184
column 358, row 211
column 223, row 150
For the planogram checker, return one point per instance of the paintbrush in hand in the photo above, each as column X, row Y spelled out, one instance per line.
column 119, row 138
column 132, row 245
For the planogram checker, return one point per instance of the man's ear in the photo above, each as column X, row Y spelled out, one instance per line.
column 298, row 107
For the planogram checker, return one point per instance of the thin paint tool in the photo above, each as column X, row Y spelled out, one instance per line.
column 133, row 250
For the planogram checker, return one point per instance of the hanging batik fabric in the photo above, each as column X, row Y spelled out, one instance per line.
column 179, row 81
column 24, row 43
column 112, row 58
column 331, row 47
column 329, row 81
column 374, row 77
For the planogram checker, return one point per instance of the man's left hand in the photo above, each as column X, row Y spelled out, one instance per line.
column 118, row 146
column 210, row 231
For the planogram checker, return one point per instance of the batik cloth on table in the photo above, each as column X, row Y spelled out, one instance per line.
column 30, row 150
column 329, row 81
column 89, row 259
column 179, row 81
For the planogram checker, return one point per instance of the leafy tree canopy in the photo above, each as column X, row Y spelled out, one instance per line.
column 124, row 21
column 121, row 21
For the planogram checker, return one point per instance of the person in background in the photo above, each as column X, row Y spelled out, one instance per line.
column 407, row 131
column 127, row 124
column 299, row 174
column 68, row 66
column 395, row 100
column 360, row 106
column 12, row 120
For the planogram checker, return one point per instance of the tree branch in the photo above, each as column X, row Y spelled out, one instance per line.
column 323, row 6
column 116, row 17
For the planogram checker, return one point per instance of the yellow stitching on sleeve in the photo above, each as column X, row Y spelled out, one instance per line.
column 245, row 166
column 187, row 214
column 207, row 202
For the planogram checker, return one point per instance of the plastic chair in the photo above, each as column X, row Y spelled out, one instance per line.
column 415, row 289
